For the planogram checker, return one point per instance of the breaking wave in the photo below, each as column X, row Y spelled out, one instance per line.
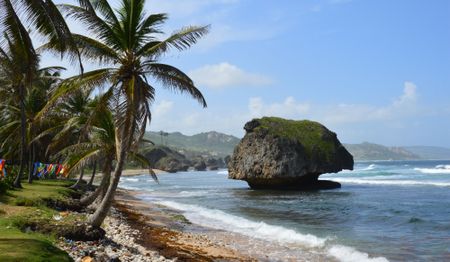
column 220, row 220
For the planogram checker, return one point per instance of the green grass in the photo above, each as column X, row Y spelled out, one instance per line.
column 30, row 250
column 20, row 210
column 312, row 135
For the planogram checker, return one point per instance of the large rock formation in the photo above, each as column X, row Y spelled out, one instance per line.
column 285, row 154
column 167, row 159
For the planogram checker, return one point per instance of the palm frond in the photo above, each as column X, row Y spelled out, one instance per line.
column 86, row 81
column 144, row 162
column 180, row 40
column 174, row 79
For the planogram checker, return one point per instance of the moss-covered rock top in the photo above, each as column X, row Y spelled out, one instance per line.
column 312, row 135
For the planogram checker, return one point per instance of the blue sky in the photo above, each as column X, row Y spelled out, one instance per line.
column 376, row 71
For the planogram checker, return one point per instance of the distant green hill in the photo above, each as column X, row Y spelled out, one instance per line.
column 212, row 143
column 369, row 151
column 430, row 152
column 220, row 145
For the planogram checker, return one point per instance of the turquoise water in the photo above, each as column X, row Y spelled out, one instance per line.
column 386, row 210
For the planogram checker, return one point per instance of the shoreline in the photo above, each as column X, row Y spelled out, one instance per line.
column 167, row 232
column 137, row 172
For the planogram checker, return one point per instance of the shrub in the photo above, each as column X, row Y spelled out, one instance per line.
column 5, row 185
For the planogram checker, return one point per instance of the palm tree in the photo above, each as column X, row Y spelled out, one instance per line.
column 35, row 99
column 18, row 56
column 19, row 61
column 45, row 18
column 125, row 40
column 76, row 109
column 100, row 147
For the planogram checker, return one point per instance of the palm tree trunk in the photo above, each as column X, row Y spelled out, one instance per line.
column 17, row 183
column 91, row 181
column 104, row 184
column 78, row 183
column 32, row 157
column 123, row 141
column 100, row 214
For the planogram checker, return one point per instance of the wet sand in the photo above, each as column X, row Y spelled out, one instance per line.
column 168, row 232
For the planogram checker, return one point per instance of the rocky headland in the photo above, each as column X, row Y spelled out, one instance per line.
column 277, row 153
column 172, row 161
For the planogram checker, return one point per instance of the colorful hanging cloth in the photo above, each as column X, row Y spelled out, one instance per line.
column 2, row 168
column 40, row 169
column 64, row 172
column 58, row 170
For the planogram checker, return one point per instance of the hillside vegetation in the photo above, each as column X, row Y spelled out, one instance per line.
column 211, row 143
column 215, row 144
column 369, row 151
column 430, row 152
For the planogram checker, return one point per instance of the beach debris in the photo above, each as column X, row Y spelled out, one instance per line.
column 119, row 244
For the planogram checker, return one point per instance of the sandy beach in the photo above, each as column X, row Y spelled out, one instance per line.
column 136, row 172
column 169, row 233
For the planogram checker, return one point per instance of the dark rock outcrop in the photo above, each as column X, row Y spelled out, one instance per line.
column 167, row 159
column 200, row 166
column 285, row 154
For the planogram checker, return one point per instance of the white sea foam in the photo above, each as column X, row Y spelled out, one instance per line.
column 386, row 177
column 220, row 220
column 192, row 193
column 129, row 179
column 392, row 182
column 348, row 254
column 439, row 169
column 223, row 172
column 370, row 167
column 130, row 187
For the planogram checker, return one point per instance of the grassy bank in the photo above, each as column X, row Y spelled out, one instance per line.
column 28, row 228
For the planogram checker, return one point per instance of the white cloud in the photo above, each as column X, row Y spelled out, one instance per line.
column 409, row 95
column 222, row 32
column 348, row 119
column 288, row 108
column 162, row 108
column 225, row 75
column 402, row 107
column 220, row 14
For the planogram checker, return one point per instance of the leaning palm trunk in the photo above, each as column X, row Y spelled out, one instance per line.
column 100, row 214
column 125, row 139
column 17, row 183
column 78, row 183
column 98, row 193
column 91, row 181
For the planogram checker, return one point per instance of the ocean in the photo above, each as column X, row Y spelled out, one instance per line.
column 385, row 211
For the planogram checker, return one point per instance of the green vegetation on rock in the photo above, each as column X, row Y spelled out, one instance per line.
column 312, row 135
